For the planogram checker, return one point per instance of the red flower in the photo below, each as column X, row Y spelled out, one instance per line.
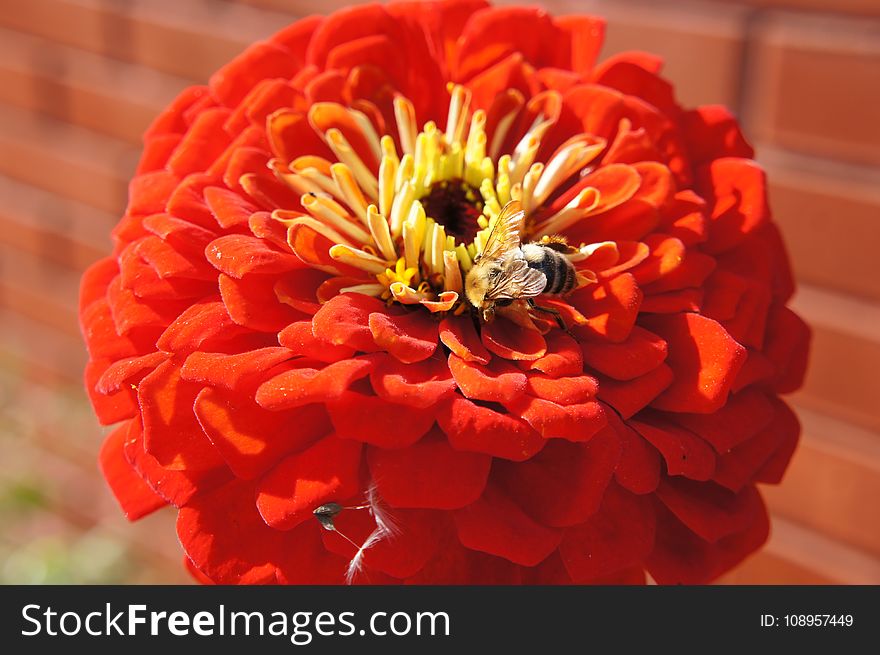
column 282, row 339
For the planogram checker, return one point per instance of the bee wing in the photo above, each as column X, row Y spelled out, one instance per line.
column 504, row 236
column 516, row 281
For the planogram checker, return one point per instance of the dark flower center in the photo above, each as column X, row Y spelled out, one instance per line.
column 456, row 206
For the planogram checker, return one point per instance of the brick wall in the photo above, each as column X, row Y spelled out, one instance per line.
column 80, row 79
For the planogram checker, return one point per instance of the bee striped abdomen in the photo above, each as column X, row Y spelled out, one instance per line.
column 560, row 273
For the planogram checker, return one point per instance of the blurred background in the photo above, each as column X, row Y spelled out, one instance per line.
column 81, row 79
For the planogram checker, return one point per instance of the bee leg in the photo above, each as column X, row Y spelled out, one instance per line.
column 554, row 312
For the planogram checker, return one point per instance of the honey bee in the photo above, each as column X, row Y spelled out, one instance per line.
column 508, row 270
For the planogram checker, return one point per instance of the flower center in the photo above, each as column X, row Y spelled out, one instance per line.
column 457, row 207
column 414, row 229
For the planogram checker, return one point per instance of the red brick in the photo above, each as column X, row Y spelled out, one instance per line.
column 39, row 352
column 830, row 483
column 858, row 7
column 39, row 290
column 814, row 85
column 842, row 378
column 829, row 214
column 191, row 38
column 795, row 554
column 102, row 94
column 701, row 43
column 63, row 232
column 66, row 160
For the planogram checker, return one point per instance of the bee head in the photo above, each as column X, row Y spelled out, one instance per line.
column 476, row 285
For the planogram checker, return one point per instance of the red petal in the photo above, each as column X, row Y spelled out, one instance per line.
column 238, row 255
column 619, row 536
column 228, row 541
column 225, row 538
column 710, row 511
column 496, row 525
column 774, row 468
column 232, row 372
column 563, row 357
column 229, row 208
column 252, row 303
column 419, row 386
column 197, row 327
column 667, row 254
column 409, row 337
column 132, row 314
column 111, row 406
column 95, row 280
column 685, row 300
column 736, row 190
column 616, row 184
column 102, row 339
column 171, row 120
column 260, row 61
column 496, row 32
column 597, row 108
column 203, row 143
column 639, row 354
column 510, row 341
column 787, row 347
column 704, row 359
column 325, row 472
column 681, row 557
column 176, row 487
column 188, row 201
column 148, row 193
column 135, row 496
column 578, row 422
column 416, row 542
column 562, row 391
column 742, row 417
column 344, row 320
column 480, row 429
column 171, row 433
column 313, row 249
column 299, row 338
column 266, row 97
column 587, row 34
column 291, row 136
column 263, row 226
column 181, row 234
column 459, row 335
column 692, row 272
column 299, row 289
column 418, row 535
column 130, row 370
column 251, row 439
column 686, row 218
column 562, row 485
column 197, row 575
column 301, row 386
column 454, row 564
column 685, row 453
column 378, row 422
column 712, row 132
column 498, row 381
column 611, row 306
column 325, row 116
column 632, row 396
column 741, row 465
column 638, row 470
column 445, row 478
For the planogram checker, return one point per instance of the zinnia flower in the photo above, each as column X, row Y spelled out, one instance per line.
column 283, row 344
